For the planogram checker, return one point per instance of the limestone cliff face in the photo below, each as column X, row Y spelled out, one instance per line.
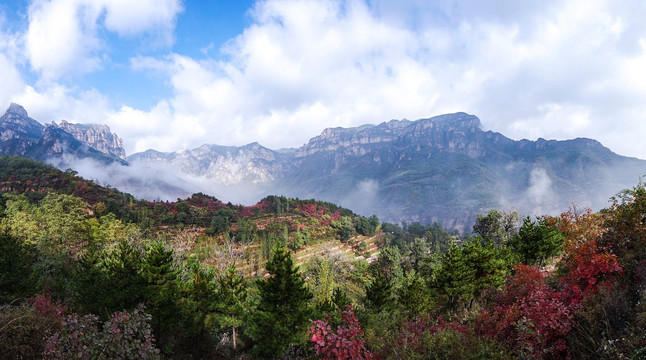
column 228, row 165
column 451, row 132
column 24, row 136
column 96, row 136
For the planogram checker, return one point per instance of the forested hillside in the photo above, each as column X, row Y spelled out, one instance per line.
column 90, row 272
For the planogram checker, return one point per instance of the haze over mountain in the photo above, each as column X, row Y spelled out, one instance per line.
column 443, row 169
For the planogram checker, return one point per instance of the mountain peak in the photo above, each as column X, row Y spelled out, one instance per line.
column 17, row 110
column 456, row 120
column 96, row 136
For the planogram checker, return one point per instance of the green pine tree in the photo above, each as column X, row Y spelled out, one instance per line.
column 536, row 242
column 379, row 294
column 162, row 289
column 281, row 316
column 232, row 296
column 455, row 278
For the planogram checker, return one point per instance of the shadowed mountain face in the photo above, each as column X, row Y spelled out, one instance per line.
column 443, row 169
column 447, row 169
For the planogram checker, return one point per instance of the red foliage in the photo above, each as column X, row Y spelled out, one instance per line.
column 345, row 343
column 530, row 317
column 47, row 307
column 586, row 269
column 578, row 228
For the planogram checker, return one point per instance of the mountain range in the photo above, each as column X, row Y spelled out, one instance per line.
column 444, row 169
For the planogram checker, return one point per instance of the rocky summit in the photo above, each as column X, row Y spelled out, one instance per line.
column 24, row 136
column 96, row 136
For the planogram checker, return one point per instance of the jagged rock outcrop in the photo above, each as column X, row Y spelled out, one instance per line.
column 96, row 136
column 24, row 136
column 444, row 169
column 18, row 131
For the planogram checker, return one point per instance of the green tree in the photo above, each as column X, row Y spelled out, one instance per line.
column 16, row 276
column 161, row 288
column 88, row 283
column 465, row 272
column 537, row 242
column 343, row 227
column 281, row 316
column 325, row 284
column 497, row 226
column 232, row 297
column 413, row 296
column 455, row 277
column 490, row 264
column 221, row 221
column 197, row 307
column 124, row 277
column 379, row 294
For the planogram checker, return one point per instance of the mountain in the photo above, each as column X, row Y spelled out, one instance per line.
column 249, row 164
column 96, row 136
column 24, row 136
column 447, row 169
column 442, row 169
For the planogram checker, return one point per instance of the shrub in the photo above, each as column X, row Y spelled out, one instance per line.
column 345, row 343
column 124, row 336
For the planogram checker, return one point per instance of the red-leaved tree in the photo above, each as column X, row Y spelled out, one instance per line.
column 345, row 343
column 530, row 317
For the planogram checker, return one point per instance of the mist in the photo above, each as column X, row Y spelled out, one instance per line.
column 363, row 198
column 157, row 183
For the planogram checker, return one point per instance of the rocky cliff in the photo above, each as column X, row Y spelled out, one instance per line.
column 228, row 165
column 24, row 136
column 96, row 136
column 444, row 169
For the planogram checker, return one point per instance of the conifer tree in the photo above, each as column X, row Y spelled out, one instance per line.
column 232, row 296
column 161, row 287
column 15, row 269
column 124, row 277
column 281, row 316
column 455, row 278
column 379, row 294
column 536, row 242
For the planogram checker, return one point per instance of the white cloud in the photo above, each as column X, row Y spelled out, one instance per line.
column 528, row 69
column 63, row 37
column 128, row 17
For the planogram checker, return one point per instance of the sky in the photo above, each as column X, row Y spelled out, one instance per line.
column 176, row 74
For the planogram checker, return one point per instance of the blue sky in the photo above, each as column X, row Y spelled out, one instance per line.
column 173, row 74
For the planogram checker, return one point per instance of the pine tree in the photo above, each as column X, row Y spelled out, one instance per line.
column 281, row 316
column 88, row 282
column 536, row 242
column 379, row 294
column 455, row 277
column 15, row 269
column 232, row 296
column 161, row 287
column 124, row 278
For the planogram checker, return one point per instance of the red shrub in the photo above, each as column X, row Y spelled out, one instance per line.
column 345, row 343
